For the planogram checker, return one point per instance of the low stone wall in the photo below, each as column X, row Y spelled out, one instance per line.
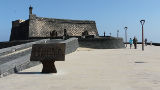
column 71, row 45
column 13, row 43
column 102, row 43
column 17, row 58
column 156, row 44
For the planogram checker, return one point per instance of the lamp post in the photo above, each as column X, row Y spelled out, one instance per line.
column 125, row 28
column 142, row 23
column 117, row 33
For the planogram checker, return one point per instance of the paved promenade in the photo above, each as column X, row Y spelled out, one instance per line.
column 94, row 69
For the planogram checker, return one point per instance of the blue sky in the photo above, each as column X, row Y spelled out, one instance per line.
column 110, row 15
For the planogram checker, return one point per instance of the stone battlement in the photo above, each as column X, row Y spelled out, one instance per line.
column 62, row 20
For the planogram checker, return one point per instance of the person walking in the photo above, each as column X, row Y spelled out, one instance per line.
column 145, row 41
column 130, row 42
column 150, row 43
column 135, row 42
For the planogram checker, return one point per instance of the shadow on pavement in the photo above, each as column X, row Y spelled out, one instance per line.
column 29, row 73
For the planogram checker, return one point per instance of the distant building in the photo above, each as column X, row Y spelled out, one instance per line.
column 39, row 27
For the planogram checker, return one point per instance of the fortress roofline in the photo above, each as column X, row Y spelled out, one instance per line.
column 33, row 16
column 68, row 19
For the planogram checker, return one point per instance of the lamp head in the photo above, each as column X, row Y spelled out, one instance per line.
column 125, row 28
column 142, row 22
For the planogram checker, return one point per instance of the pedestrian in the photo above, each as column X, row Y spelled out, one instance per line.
column 150, row 43
column 130, row 42
column 135, row 42
column 145, row 41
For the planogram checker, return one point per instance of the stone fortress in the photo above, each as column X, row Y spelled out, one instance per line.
column 39, row 27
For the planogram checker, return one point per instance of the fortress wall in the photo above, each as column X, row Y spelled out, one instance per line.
column 41, row 27
column 102, row 43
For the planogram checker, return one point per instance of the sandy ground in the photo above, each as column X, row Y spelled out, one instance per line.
column 94, row 69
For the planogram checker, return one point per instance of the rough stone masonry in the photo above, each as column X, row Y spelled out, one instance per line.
column 39, row 27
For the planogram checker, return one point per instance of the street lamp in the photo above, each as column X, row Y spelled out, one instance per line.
column 125, row 28
column 117, row 33
column 142, row 23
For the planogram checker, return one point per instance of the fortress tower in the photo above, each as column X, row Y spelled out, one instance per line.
column 30, row 10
